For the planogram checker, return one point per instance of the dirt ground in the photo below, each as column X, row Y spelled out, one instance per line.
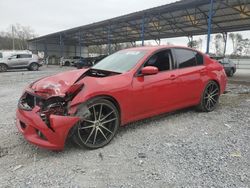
column 181, row 149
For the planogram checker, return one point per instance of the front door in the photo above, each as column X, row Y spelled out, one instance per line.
column 153, row 94
column 13, row 61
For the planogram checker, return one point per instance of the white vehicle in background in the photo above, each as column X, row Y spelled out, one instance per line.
column 70, row 61
column 19, row 60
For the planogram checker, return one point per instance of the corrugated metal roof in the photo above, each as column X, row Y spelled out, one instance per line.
column 182, row 18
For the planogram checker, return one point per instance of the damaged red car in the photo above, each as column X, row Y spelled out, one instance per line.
column 89, row 105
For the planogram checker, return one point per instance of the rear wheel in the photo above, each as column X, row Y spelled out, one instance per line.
column 67, row 64
column 99, row 127
column 231, row 73
column 33, row 67
column 3, row 68
column 210, row 97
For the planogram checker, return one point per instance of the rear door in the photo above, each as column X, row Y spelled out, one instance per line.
column 191, row 71
column 25, row 59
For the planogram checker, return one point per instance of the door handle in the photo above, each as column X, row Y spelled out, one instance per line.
column 172, row 77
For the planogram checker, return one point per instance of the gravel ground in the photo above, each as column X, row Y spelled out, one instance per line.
column 180, row 149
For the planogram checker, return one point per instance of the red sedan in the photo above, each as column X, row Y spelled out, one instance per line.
column 89, row 105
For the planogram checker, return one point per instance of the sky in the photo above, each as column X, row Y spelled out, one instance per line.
column 49, row 16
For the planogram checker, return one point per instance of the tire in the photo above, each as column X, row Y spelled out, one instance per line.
column 210, row 97
column 231, row 73
column 67, row 64
column 33, row 67
column 3, row 68
column 99, row 125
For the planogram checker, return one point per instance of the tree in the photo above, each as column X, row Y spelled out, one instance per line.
column 218, row 41
column 237, row 42
column 20, row 34
column 196, row 44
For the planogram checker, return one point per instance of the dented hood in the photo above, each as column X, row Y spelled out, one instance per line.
column 56, row 85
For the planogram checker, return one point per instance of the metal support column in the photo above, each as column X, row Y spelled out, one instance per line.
column 210, row 24
column 225, row 43
column 61, row 45
column 80, row 44
column 191, row 40
column 158, row 41
column 36, row 48
column 109, row 40
column 75, row 50
column 45, row 50
column 143, row 30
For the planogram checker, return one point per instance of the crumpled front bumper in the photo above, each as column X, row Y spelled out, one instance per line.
column 30, row 124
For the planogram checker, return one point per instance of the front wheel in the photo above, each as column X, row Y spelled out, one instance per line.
column 231, row 73
column 99, row 126
column 210, row 97
column 3, row 68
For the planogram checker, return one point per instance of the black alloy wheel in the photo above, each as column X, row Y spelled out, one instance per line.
column 210, row 97
column 99, row 127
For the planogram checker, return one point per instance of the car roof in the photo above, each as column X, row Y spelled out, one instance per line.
column 155, row 48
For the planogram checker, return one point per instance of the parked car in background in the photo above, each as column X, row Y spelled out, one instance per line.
column 19, row 61
column 89, row 61
column 229, row 66
column 83, row 63
column 70, row 61
column 89, row 105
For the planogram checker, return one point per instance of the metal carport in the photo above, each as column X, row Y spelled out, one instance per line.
column 182, row 18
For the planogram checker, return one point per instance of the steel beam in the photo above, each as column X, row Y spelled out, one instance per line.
column 143, row 30
column 225, row 42
column 80, row 44
column 45, row 50
column 210, row 24
column 61, row 45
column 109, row 40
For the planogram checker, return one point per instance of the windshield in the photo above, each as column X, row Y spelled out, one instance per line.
column 120, row 62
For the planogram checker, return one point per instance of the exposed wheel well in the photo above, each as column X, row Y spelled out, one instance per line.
column 106, row 97
column 216, row 83
column 67, row 63
column 4, row 64
column 29, row 66
column 111, row 99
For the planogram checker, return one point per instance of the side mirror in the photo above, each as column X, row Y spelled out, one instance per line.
column 149, row 70
column 9, row 58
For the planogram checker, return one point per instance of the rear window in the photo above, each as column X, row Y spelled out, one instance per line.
column 185, row 58
column 188, row 58
column 25, row 56
column 199, row 58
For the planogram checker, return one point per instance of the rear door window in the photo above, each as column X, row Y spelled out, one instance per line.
column 25, row 55
column 199, row 58
column 1, row 55
column 185, row 58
